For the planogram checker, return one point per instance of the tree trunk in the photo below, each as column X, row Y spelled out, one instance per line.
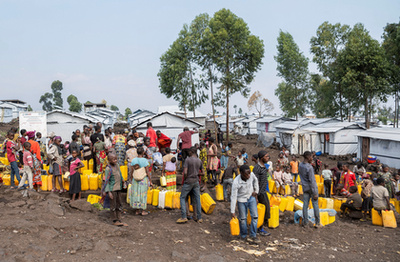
column 184, row 109
column 340, row 104
column 396, row 110
column 212, row 104
column 227, row 114
column 295, row 102
column 193, row 92
column 366, row 113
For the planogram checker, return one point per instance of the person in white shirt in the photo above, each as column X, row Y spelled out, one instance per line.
column 287, row 180
column 327, row 175
column 244, row 192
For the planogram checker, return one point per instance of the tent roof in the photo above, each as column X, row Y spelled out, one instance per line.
column 270, row 119
column 382, row 133
column 250, row 119
column 333, row 127
column 85, row 117
column 166, row 113
column 177, row 111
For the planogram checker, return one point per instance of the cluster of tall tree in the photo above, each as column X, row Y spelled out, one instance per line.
column 218, row 50
column 357, row 73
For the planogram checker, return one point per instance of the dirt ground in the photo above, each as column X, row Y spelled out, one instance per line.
column 47, row 227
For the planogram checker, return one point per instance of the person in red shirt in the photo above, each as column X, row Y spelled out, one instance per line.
column 11, row 148
column 186, row 137
column 163, row 141
column 347, row 178
column 153, row 137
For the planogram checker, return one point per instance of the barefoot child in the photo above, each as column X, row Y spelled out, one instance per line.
column 28, row 167
column 327, row 175
column 366, row 196
column 112, row 186
column 353, row 202
column 278, row 179
column 74, row 177
column 287, row 180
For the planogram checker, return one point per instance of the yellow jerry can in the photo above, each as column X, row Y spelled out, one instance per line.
column 260, row 213
column 50, row 182
column 66, row 185
column 397, row 206
column 163, row 181
column 219, row 192
column 128, row 193
column 359, row 189
column 388, row 219
column 251, row 168
column 84, row 182
column 271, row 185
column 100, row 181
column 93, row 181
column 288, row 191
column 44, row 186
column 275, row 200
column 337, row 203
column 234, row 224
column 376, row 218
column 298, row 205
column 290, row 204
column 320, row 188
column 329, row 203
column 176, row 201
column 207, row 203
column 273, row 221
column 124, row 172
column 93, row 199
column 332, row 219
column 324, row 218
column 156, row 192
column 300, row 189
column 283, row 204
column 150, row 196
column 7, row 180
column 168, row 199
column 322, row 203
column 318, row 179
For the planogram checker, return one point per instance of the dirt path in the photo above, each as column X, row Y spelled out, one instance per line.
column 44, row 227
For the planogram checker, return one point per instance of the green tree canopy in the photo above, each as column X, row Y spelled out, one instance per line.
column 114, row 108
column 364, row 70
column 293, row 68
column 29, row 108
column 322, row 102
column 128, row 112
column 56, row 88
column 46, row 99
column 74, row 104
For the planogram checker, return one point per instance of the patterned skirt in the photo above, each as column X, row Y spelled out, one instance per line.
column 138, row 193
column 121, row 153
column 37, row 171
column 171, row 180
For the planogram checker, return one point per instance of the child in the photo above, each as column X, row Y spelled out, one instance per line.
column 224, row 157
column 353, row 202
column 245, row 154
column 28, row 167
column 396, row 185
column 74, row 177
column 327, row 175
column 169, row 169
column 380, row 195
column 387, row 176
column 282, row 160
column 112, row 186
column 366, row 186
column 203, row 158
column 278, row 179
column 287, row 180
column 359, row 171
column 227, row 179
column 240, row 160
column 11, row 148
column 244, row 191
column 294, row 164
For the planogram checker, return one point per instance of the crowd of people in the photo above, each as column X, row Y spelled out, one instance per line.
column 206, row 164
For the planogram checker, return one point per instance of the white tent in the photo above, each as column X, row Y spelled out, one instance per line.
column 383, row 143
column 337, row 138
column 170, row 125
column 268, row 123
column 174, row 109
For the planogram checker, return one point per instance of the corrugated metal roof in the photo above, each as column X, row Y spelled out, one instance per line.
column 174, row 109
column 392, row 134
column 268, row 119
column 333, row 127
column 292, row 125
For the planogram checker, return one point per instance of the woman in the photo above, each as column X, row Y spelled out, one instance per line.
column 138, row 190
column 169, row 169
column 100, row 151
column 147, row 151
column 75, row 178
column 119, row 143
column 37, row 160
column 212, row 160
column 108, row 140
column 86, row 144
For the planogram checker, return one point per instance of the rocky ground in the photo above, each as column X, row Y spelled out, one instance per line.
column 47, row 227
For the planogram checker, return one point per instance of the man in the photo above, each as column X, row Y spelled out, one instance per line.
column 227, row 179
column 380, row 195
column 310, row 188
column 163, row 141
column 191, row 172
column 12, row 150
column 153, row 137
column 261, row 172
column 220, row 137
column 244, row 191
column 186, row 137
column 94, row 138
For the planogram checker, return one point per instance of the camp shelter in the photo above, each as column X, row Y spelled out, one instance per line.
column 170, row 125
column 384, row 143
column 9, row 109
column 139, row 116
column 174, row 109
column 63, row 123
column 105, row 116
column 338, row 138
column 249, row 125
column 268, row 123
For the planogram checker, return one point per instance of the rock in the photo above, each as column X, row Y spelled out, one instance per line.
column 102, row 246
column 54, row 208
column 19, row 203
column 212, row 257
column 175, row 254
column 35, row 195
column 81, row 205
column 49, row 233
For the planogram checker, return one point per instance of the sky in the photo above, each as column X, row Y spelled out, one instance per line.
column 111, row 49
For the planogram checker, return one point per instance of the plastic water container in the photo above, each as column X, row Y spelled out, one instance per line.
column 234, row 225
column 322, row 203
column 84, row 182
column 100, row 181
column 50, row 182
column 275, row 200
column 161, row 199
column 337, row 203
column 283, row 204
column 271, row 185
column 124, row 172
column 371, row 159
column 388, row 219
column 93, row 199
column 359, row 188
column 324, row 218
column 207, row 203
column 150, row 196
column 168, row 199
column 300, row 189
column 44, row 186
column 331, row 219
column 6, row 180
column 288, row 191
column 156, row 193
column 273, row 221
column 219, row 192
column 290, row 204
column 317, row 178
column 176, row 200
column 320, row 188
column 163, row 181
column 93, row 181
column 66, row 185
column 128, row 193
column 329, row 203
column 261, row 215
column 298, row 205
column 376, row 218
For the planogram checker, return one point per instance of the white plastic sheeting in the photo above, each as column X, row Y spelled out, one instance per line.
column 304, row 141
column 343, row 142
column 266, row 139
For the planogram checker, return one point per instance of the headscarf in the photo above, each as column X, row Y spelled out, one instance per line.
column 30, row 134
column 58, row 137
column 131, row 143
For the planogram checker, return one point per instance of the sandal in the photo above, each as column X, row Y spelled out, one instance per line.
column 144, row 213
